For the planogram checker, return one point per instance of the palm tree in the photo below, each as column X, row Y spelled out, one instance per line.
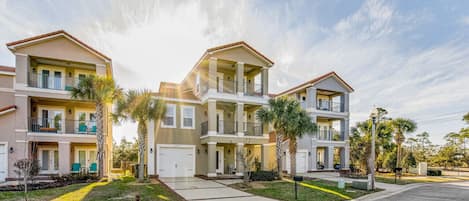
column 289, row 121
column 103, row 91
column 402, row 126
column 139, row 106
column 299, row 124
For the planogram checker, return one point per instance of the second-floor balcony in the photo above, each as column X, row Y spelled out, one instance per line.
column 61, row 126
column 57, row 81
column 328, row 135
column 331, row 106
column 224, row 127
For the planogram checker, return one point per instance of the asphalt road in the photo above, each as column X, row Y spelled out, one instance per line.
column 435, row 191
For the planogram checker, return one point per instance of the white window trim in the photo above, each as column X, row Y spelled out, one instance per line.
column 39, row 157
column 174, row 118
column 55, row 108
column 182, row 116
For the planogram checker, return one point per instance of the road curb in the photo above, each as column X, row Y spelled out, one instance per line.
column 387, row 193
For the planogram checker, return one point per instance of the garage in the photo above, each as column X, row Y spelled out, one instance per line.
column 301, row 161
column 175, row 160
column 3, row 162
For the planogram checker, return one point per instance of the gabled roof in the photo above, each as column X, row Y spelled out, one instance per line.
column 14, row 44
column 173, row 91
column 7, row 69
column 238, row 44
column 316, row 80
column 7, row 109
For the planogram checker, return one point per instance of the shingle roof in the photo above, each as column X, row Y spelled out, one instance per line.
column 56, row 33
column 173, row 90
column 314, row 81
column 7, row 68
column 236, row 44
column 7, row 108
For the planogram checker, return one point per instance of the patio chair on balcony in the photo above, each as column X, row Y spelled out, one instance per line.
column 82, row 128
column 93, row 129
column 76, row 168
column 93, row 168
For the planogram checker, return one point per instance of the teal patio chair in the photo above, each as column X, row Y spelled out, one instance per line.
column 82, row 128
column 76, row 168
column 93, row 129
column 93, row 168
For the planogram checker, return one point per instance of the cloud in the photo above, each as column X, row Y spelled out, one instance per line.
column 373, row 47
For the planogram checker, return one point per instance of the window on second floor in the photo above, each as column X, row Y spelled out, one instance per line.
column 187, row 117
column 169, row 120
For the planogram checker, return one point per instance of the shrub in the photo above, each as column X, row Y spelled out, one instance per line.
column 434, row 172
column 264, row 176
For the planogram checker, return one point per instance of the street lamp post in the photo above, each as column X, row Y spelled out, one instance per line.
column 374, row 116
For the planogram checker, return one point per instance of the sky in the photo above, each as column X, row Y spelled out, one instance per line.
column 410, row 57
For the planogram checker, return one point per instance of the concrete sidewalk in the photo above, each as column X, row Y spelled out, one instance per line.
column 193, row 188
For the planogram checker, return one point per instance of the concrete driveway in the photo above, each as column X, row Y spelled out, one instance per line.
column 193, row 188
column 434, row 192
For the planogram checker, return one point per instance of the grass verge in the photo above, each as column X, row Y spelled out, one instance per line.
column 283, row 190
column 124, row 189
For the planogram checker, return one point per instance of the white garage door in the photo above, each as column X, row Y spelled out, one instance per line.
column 3, row 162
column 301, row 162
column 176, row 162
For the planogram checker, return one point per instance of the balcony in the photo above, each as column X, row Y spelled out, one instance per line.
column 330, row 106
column 252, row 89
column 230, row 128
column 226, row 86
column 55, row 82
column 61, row 126
column 329, row 135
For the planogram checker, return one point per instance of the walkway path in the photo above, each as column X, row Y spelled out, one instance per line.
column 193, row 188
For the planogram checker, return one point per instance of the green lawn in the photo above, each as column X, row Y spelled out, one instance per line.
column 283, row 190
column 124, row 189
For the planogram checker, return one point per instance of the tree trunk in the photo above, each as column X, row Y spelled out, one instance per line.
column 142, row 132
column 278, row 147
column 100, row 137
column 398, row 162
column 292, row 150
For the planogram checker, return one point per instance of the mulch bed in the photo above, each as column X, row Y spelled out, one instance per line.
column 42, row 185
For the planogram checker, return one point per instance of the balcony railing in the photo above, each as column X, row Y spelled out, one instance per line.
column 329, row 135
column 57, row 82
column 252, row 89
column 226, row 86
column 329, row 106
column 253, row 129
column 57, row 125
column 231, row 128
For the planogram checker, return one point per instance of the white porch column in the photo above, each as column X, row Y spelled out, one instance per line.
column 313, row 158
column 265, row 82
column 151, row 149
column 212, row 151
column 212, row 74
column 345, row 156
column 330, row 158
column 64, row 157
column 311, row 97
column 239, row 159
column 240, row 78
column 240, row 119
column 212, row 117
column 100, row 69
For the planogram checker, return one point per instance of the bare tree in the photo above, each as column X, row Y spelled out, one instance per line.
column 28, row 168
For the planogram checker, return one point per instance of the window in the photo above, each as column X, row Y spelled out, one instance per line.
column 169, row 120
column 187, row 117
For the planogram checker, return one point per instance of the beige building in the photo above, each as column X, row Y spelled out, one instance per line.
column 38, row 118
column 326, row 100
column 211, row 117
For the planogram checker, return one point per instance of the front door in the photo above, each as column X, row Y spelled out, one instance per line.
column 220, row 126
column 3, row 162
column 86, row 157
column 219, row 160
column 48, row 160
